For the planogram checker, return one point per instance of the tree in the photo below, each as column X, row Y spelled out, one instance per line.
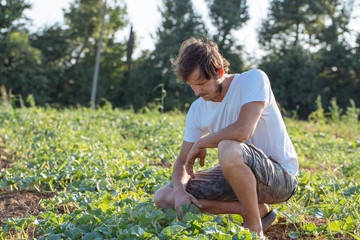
column 335, row 17
column 20, row 63
column 56, row 65
column 140, row 87
column 83, row 20
column 55, row 47
column 319, row 28
column 356, row 66
column 179, row 23
column 304, row 22
column 227, row 16
column 69, row 52
column 338, row 74
column 11, row 12
column 356, row 58
column 286, row 24
column 293, row 74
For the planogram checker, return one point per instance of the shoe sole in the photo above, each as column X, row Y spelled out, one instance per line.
column 268, row 219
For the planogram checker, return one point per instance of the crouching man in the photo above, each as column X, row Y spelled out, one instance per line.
column 257, row 161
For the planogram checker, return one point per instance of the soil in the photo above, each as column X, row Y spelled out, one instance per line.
column 282, row 229
column 17, row 204
column 21, row 204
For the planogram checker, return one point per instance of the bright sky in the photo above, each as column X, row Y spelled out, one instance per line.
column 144, row 16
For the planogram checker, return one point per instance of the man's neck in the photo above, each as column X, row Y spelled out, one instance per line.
column 225, row 82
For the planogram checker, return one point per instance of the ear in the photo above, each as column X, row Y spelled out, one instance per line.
column 221, row 72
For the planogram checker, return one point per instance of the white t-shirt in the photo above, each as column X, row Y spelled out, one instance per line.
column 270, row 134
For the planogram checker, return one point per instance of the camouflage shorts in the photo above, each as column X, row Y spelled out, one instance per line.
column 274, row 183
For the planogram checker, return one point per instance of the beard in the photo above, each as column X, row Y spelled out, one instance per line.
column 213, row 95
column 219, row 88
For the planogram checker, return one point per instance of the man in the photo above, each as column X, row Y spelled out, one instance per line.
column 258, row 163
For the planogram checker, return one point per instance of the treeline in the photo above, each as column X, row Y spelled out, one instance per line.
column 309, row 47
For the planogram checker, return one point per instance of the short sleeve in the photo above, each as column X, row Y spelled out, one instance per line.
column 192, row 129
column 256, row 87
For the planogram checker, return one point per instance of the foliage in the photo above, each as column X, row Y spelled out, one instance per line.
column 104, row 166
column 24, row 62
column 343, row 123
column 285, row 22
column 19, row 61
column 83, row 21
column 338, row 76
column 55, row 58
column 302, row 22
column 293, row 74
column 56, row 64
column 228, row 16
column 139, row 88
column 179, row 23
column 10, row 13
column 308, row 53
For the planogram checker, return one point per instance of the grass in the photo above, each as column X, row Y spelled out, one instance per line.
column 104, row 166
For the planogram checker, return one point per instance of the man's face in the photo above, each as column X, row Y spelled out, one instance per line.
column 208, row 89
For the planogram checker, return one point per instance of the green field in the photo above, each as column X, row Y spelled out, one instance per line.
column 97, row 171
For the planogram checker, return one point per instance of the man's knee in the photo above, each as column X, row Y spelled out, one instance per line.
column 163, row 197
column 230, row 154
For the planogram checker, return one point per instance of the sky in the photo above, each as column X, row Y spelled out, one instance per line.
column 145, row 18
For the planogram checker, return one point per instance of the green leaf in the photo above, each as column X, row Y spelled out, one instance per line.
column 242, row 236
column 335, row 226
column 137, row 231
column 93, row 236
column 350, row 220
column 189, row 217
column 4, row 183
column 73, row 233
column 236, row 218
column 210, row 230
column 63, row 165
column 156, row 215
column 85, row 219
column 84, row 229
column 106, row 230
column 96, row 212
column 55, row 237
column 170, row 215
column 189, row 208
column 221, row 236
column 348, row 227
column 172, row 230
column 198, row 237
column 310, row 227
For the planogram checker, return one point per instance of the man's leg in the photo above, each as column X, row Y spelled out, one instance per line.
column 163, row 198
column 220, row 207
column 273, row 183
column 242, row 181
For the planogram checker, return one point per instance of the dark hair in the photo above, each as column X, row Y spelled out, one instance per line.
column 199, row 53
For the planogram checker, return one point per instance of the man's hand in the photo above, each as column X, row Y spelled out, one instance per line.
column 195, row 152
column 182, row 198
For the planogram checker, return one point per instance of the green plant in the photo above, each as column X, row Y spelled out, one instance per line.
column 105, row 164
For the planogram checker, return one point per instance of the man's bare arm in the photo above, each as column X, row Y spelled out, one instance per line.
column 241, row 130
column 180, row 178
column 179, row 175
